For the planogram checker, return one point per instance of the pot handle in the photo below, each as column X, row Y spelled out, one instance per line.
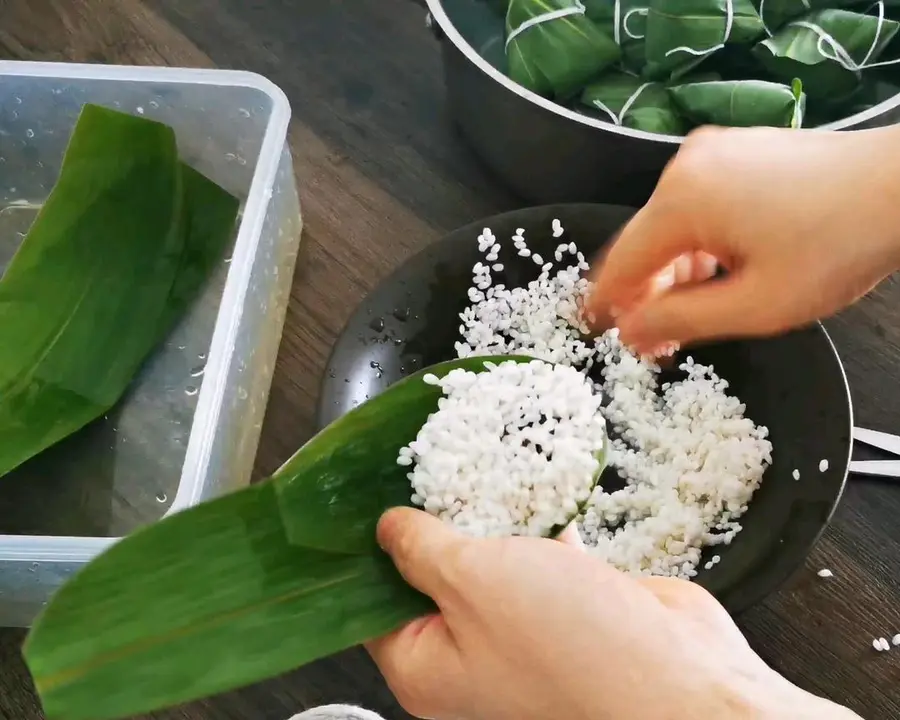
column 433, row 26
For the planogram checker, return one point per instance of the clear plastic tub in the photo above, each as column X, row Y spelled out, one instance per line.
column 189, row 427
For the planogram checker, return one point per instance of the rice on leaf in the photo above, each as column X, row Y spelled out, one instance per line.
column 683, row 33
column 553, row 49
column 827, row 50
column 633, row 103
column 741, row 103
column 626, row 22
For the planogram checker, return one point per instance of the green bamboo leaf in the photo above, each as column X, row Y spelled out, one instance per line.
column 558, row 56
column 244, row 587
column 741, row 103
column 800, row 49
column 683, row 33
column 625, row 21
column 483, row 26
column 118, row 249
column 776, row 13
column 631, row 102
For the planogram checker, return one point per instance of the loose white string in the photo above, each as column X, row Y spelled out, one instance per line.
column 628, row 15
column 617, row 119
column 577, row 9
column 841, row 56
column 729, row 24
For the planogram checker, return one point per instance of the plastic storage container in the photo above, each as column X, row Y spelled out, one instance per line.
column 189, row 427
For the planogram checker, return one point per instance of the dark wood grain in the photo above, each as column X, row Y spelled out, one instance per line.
column 382, row 174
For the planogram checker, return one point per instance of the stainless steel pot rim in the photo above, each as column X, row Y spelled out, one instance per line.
column 439, row 15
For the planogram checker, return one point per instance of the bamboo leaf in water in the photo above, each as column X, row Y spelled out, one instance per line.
column 110, row 262
column 244, row 587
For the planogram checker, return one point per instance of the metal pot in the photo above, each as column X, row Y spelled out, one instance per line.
column 546, row 153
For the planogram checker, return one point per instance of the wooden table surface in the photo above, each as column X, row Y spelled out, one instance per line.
column 381, row 174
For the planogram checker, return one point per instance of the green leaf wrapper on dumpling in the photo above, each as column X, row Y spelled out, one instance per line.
column 741, row 103
column 633, row 103
column 625, row 21
column 775, row 13
column 483, row 27
column 827, row 50
column 555, row 56
column 683, row 33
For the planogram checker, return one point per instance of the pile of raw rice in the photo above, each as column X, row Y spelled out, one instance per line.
column 689, row 459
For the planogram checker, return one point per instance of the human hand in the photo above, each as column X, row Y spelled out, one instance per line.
column 533, row 629
column 805, row 223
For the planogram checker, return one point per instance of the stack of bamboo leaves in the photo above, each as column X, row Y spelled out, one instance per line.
column 666, row 66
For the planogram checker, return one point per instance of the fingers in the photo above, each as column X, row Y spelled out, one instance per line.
column 421, row 665
column 723, row 308
column 421, row 547
column 571, row 536
column 648, row 244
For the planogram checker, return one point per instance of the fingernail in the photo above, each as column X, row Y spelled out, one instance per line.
column 664, row 280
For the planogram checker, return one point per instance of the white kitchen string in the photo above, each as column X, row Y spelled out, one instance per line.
column 729, row 24
column 617, row 119
column 621, row 23
column 577, row 9
column 628, row 15
column 841, row 56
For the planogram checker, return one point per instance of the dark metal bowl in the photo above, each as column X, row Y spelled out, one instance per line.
column 793, row 384
column 546, row 153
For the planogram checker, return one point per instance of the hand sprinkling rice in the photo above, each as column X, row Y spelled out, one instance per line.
column 689, row 459
column 513, row 450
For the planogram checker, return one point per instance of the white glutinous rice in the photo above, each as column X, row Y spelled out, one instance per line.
column 823, row 466
column 512, row 450
column 876, row 643
column 825, row 573
column 896, row 640
column 689, row 461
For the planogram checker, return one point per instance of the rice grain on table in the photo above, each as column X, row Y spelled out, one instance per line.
column 690, row 460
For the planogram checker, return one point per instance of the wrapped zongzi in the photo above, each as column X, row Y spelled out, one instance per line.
column 626, row 22
column 683, row 33
column 629, row 101
column 741, row 103
column 553, row 49
column 775, row 13
column 827, row 50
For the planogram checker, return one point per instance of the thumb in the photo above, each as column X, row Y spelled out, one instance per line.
column 652, row 240
column 420, row 545
column 717, row 309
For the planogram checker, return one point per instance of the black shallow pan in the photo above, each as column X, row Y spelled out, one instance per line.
column 546, row 153
column 793, row 384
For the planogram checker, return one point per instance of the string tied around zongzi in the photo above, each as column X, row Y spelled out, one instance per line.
column 617, row 118
column 729, row 25
column 577, row 9
column 620, row 23
column 841, row 55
